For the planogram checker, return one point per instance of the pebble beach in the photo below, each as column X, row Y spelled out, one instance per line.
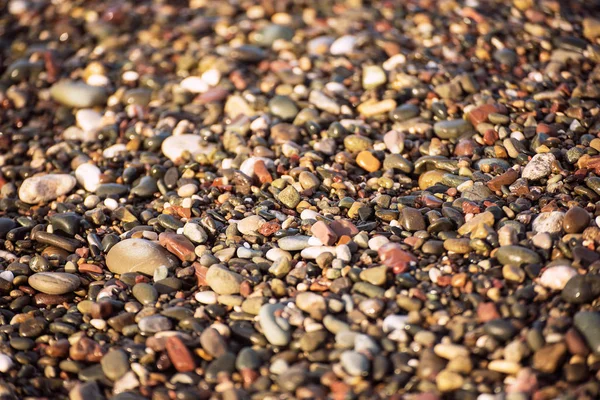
column 273, row 200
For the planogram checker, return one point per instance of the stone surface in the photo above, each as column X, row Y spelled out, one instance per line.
column 138, row 255
column 44, row 188
column 54, row 282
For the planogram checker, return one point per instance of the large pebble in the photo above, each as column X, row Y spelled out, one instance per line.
column 276, row 329
column 88, row 176
column 538, row 167
column 54, row 282
column 250, row 225
column 557, row 277
column 548, row 222
column 78, row 94
column 138, row 255
column 222, row 280
column 516, row 255
column 174, row 147
column 588, row 323
column 41, row 189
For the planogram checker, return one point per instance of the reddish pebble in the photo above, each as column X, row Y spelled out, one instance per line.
column 392, row 255
column 506, row 179
column 487, row 312
column 261, row 171
column 180, row 356
column 343, row 227
column 178, row 245
column 92, row 268
column 269, row 228
column 324, row 233
column 85, row 349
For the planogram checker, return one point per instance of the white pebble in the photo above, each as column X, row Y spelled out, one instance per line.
column 98, row 323
column 308, row 214
column 212, row 76
column 206, row 297
column 88, row 176
column 111, row 204
column 343, row 253
column 7, row 276
column 194, row 84
column 377, row 241
column 114, row 150
column 88, row 120
column 6, row 363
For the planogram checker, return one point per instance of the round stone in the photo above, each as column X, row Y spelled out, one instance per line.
column 41, row 189
column 115, row 364
column 138, row 255
column 576, row 220
column 88, row 176
column 54, row 282
column 222, row 280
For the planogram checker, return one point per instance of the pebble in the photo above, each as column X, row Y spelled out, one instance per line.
column 54, row 282
column 138, row 255
column 556, row 277
column 222, row 280
column 6, row 363
column 44, row 188
column 78, row 94
column 275, row 329
column 540, row 166
column 88, row 176
column 354, row 363
column 174, row 147
column 250, row 225
column 516, row 255
column 549, row 222
column 576, row 220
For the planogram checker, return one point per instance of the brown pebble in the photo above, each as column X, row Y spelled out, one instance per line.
column 180, row 356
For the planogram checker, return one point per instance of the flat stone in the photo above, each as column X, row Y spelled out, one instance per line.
column 576, row 220
column 324, row 233
column 138, row 255
column 355, row 363
column 42, row 189
column 54, row 282
column 556, row 277
column 294, row 243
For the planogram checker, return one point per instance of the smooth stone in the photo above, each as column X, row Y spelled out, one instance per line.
column 222, row 280
column 66, row 222
column 540, row 166
column 272, row 32
column 6, row 363
column 88, row 176
column 343, row 45
column 174, row 147
column 588, row 324
column 6, row 225
column 548, row 222
column 41, row 189
column 312, row 303
column 115, row 364
column 354, row 363
column 293, row 243
column 283, row 107
column 155, row 324
column 576, row 220
column 556, row 277
column 78, row 94
column 54, row 282
column 452, row 129
column 138, row 255
column 516, row 255
column 411, row 219
column 195, row 233
column 213, row 343
column 581, row 289
column 248, row 166
column 88, row 120
column 145, row 293
column 146, row 187
column 275, row 329
column 501, row 329
column 250, row 225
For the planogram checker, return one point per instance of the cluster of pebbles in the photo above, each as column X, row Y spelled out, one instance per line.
column 300, row 200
